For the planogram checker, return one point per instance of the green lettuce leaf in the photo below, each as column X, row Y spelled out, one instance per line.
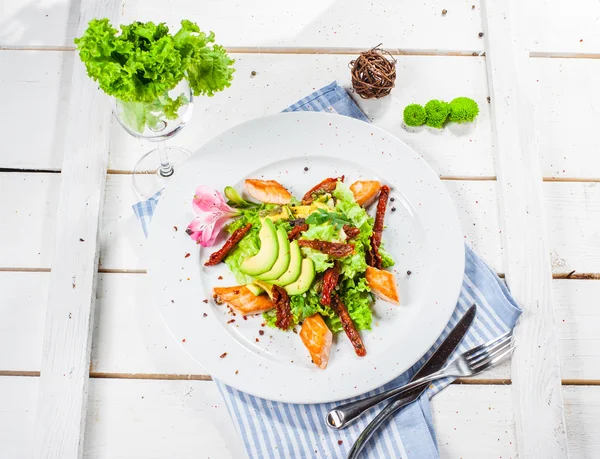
column 321, row 260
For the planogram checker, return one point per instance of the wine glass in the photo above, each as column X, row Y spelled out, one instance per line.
column 157, row 121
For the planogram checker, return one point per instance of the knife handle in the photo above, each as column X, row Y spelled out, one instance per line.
column 343, row 415
column 387, row 413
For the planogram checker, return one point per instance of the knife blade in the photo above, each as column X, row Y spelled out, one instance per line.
column 435, row 362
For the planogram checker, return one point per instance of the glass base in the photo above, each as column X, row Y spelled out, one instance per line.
column 149, row 178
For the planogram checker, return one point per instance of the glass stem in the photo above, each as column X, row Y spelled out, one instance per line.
column 166, row 169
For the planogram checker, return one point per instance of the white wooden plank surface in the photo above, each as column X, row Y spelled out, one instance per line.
column 567, row 104
column 267, row 23
column 122, row 424
column 565, row 28
column 34, row 89
column 573, row 213
column 536, row 381
column 280, row 80
column 63, row 396
column 27, row 219
column 572, row 209
column 130, row 337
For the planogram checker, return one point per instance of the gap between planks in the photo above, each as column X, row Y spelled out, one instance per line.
column 349, row 51
column 196, row 377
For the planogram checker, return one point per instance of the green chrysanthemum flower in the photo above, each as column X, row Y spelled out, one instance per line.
column 463, row 109
column 414, row 115
column 437, row 113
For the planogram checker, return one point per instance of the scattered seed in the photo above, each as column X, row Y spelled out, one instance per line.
column 409, row 272
column 175, row 228
column 223, row 355
column 261, row 332
column 187, row 255
column 444, row 12
column 253, row 73
column 205, row 300
column 305, row 169
column 205, row 315
column 480, row 34
column 236, row 372
column 392, row 199
column 342, row 441
column 257, row 340
column 393, row 209
column 472, row 7
column 172, row 301
column 489, row 99
column 183, row 340
column 81, row 240
column 245, row 318
column 220, row 277
column 231, row 321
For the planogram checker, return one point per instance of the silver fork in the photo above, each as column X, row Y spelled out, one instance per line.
column 474, row 361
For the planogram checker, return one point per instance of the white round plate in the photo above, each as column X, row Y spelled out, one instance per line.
column 423, row 235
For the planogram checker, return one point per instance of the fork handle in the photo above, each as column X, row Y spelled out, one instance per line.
column 343, row 415
column 388, row 412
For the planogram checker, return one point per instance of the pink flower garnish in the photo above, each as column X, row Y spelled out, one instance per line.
column 213, row 214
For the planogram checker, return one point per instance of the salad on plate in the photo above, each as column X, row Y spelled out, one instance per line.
column 312, row 265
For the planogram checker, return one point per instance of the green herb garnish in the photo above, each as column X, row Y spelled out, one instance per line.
column 323, row 216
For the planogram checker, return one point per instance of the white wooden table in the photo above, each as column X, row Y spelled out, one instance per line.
column 525, row 179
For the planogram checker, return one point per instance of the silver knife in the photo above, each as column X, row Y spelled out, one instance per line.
column 434, row 363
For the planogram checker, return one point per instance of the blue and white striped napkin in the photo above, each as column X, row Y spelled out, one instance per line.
column 286, row 431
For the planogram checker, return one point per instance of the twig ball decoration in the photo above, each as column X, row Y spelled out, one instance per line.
column 373, row 73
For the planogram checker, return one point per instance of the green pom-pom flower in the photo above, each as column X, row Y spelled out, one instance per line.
column 414, row 115
column 437, row 112
column 463, row 109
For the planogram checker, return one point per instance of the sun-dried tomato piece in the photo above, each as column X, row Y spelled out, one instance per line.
column 349, row 328
column 334, row 249
column 351, row 231
column 282, row 303
column 373, row 256
column 236, row 237
column 330, row 281
column 296, row 230
column 326, row 186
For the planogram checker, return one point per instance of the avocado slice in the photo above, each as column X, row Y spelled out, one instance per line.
column 293, row 270
column 304, row 281
column 254, row 289
column 283, row 260
column 305, row 211
column 267, row 255
column 265, row 287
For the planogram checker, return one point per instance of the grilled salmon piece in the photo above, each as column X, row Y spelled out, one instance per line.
column 268, row 191
column 317, row 338
column 383, row 284
column 242, row 299
column 365, row 191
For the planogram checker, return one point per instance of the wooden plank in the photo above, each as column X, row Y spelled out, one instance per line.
column 563, row 28
column 536, row 388
column 566, row 120
column 22, row 314
column 566, row 103
column 311, row 23
column 34, row 89
column 69, row 316
column 573, row 212
column 27, row 219
column 470, row 421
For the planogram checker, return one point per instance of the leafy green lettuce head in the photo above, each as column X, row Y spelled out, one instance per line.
column 145, row 61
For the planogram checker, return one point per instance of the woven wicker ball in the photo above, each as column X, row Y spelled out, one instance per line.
column 373, row 73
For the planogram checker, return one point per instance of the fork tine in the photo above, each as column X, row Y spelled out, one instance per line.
column 490, row 354
column 486, row 346
column 491, row 362
column 486, row 351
